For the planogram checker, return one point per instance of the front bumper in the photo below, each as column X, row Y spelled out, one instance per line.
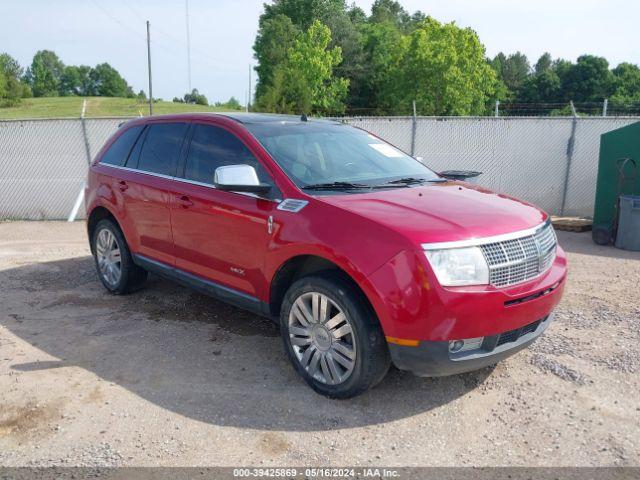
column 433, row 359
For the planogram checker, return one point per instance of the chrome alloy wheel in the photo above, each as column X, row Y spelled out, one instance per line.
column 108, row 255
column 322, row 338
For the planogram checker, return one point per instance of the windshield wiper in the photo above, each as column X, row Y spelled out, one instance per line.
column 336, row 186
column 407, row 182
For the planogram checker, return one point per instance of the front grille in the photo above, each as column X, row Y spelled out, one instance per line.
column 520, row 259
column 513, row 335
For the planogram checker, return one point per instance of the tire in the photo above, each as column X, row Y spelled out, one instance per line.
column 344, row 328
column 123, row 276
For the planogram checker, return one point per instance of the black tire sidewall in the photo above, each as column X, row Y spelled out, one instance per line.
column 371, row 350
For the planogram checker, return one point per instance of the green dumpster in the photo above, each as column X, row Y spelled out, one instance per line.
column 618, row 174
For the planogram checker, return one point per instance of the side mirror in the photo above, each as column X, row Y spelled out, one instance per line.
column 239, row 178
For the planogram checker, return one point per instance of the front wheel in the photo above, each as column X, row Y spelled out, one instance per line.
column 332, row 337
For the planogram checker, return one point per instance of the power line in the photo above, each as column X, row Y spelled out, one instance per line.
column 211, row 61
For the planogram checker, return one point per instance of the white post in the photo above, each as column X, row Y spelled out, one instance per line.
column 76, row 206
column 605, row 104
column 80, row 197
column 497, row 108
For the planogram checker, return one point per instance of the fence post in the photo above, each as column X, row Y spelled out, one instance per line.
column 570, row 149
column 413, row 130
column 605, row 104
column 497, row 108
column 87, row 149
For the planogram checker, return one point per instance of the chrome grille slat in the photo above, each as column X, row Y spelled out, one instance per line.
column 517, row 260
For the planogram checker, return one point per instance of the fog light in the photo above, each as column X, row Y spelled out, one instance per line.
column 456, row 346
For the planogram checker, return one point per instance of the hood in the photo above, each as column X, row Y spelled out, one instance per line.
column 442, row 212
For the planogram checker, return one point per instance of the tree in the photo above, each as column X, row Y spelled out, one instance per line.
column 304, row 82
column 45, row 73
column 275, row 36
column 444, row 69
column 231, row 104
column 356, row 15
column 544, row 63
column 12, row 88
column 303, row 13
column 3, row 85
column 77, row 80
column 107, row 82
column 588, row 80
column 512, row 70
column 543, row 87
column 389, row 11
column 195, row 97
column 627, row 84
column 383, row 44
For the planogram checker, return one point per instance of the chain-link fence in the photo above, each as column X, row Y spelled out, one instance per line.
column 43, row 164
column 551, row 162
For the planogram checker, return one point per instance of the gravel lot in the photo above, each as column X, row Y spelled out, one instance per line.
column 167, row 376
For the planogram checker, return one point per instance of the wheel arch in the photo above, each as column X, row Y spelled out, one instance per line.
column 97, row 214
column 301, row 266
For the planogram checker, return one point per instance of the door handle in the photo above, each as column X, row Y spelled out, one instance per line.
column 122, row 185
column 184, row 201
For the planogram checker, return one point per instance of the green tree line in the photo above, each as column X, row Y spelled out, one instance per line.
column 327, row 57
column 48, row 76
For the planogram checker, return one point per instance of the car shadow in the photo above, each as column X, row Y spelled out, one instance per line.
column 191, row 354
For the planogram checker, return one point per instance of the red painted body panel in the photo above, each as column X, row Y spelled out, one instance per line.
column 222, row 236
column 411, row 303
column 374, row 237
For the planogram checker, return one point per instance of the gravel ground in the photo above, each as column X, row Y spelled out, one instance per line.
column 167, row 376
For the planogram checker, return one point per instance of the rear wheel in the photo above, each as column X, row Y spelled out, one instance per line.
column 331, row 336
column 114, row 263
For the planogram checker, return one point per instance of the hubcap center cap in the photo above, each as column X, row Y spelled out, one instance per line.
column 321, row 337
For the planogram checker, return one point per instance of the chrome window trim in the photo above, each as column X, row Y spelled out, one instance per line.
column 135, row 170
column 476, row 242
column 184, row 180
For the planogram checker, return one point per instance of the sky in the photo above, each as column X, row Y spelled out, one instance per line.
column 223, row 31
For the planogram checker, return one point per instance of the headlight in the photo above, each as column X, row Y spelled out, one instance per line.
column 459, row 266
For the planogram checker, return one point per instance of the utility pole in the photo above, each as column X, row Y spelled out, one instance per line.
column 149, row 67
column 249, row 96
column 186, row 5
column 414, row 125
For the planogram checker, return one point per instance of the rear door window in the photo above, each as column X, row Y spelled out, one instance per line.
column 119, row 150
column 162, row 147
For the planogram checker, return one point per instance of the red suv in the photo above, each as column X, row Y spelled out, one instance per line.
column 363, row 255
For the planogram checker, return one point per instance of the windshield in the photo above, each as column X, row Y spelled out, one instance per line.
column 319, row 155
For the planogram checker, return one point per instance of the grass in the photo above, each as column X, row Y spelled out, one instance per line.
column 57, row 107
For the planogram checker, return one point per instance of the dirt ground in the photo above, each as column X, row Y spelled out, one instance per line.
column 167, row 376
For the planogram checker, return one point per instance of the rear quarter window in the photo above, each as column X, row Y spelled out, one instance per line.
column 119, row 150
